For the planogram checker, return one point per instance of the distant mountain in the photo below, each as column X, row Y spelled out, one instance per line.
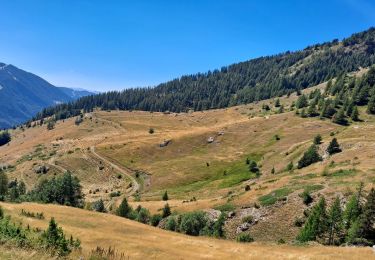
column 76, row 93
column 23, row 94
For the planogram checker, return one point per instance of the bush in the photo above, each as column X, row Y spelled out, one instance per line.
column 306, row 197
column 151, row 131
column 143, row 216
column 171, row 224
column 155, row 219
column 248, row 219
column 244, row 238
column 193, row 222
column 98, row 206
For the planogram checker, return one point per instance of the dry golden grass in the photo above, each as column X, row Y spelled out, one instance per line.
column 140, row 241
column 123, row 137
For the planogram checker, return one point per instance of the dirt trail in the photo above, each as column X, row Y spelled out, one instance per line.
column 135, row 184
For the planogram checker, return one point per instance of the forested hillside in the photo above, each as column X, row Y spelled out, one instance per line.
column 240, row 83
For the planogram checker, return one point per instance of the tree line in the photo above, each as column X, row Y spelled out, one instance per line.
column 341, row 99
column 63, row 190
column 240, row 83
column 352, row 224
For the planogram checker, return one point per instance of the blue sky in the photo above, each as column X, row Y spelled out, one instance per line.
column 104, row 45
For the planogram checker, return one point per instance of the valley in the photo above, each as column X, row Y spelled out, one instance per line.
column 115, row 152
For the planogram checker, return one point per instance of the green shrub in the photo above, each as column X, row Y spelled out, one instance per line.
column 244, row 238
column 193, row 222
column 306, row 197
column 155, row 219
column 171, row 224
column 248, row 219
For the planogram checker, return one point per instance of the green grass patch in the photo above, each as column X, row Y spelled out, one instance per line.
column 274, row 196
column 225, row 207
column 343, row 173
column 308, row 176
column 313, row 188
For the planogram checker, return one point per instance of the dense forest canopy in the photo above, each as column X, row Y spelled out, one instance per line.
column 240, row 83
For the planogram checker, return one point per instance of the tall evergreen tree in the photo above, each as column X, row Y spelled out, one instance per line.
column 334, row 221
column 354, row 114
column 371, row 105
column 339, row 117
column 316, row 223
column 333, row 147
column 367, row 219
column 302, row 102
column 309, row 157
column 166, row 211
column 3, row 184
column 124, row 209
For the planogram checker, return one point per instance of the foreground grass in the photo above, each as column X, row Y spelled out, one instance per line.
column 138, row 241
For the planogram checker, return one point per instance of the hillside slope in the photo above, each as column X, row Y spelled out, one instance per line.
column 138, row 241
column 241, row 83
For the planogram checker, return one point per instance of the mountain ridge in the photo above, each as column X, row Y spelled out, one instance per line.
column 240, row 83
column 22, row 94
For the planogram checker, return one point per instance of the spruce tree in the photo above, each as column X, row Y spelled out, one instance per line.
column 302, row 102
column 316, row 223
column 166, row 211
column 339, row 117
column 317, row 139
column 333, row 147
column 334, row 221
column 124, row 209
column 3, row 185
column 355, row 114
column 253, row 167
column 165, row 196
column 367, row 219
column 371, row 105
column 351, row 211
column 309, row 157
column 219, row 226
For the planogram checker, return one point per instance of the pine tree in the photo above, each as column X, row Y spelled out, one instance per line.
column 371, row 105
column 302, row 102
column 367, row 219
column 339, row 117
column 309, row 157
column 333, row 147
column 219, row 226
column 166, row 211
column 124, row 209
column 316, row 223
column 334, row 221
column 354, row 114
column 351, row 211
column 317, row 139
column 99, row 206
column 277, row 103
column 165, row 196
column 253, row 167
column 3, row 184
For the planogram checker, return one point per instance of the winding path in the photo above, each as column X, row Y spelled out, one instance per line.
column 135, row 184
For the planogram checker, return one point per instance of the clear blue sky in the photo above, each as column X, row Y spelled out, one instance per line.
column 103, row 45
